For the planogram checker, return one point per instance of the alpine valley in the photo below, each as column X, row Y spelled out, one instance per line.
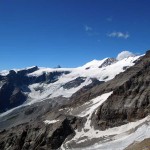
column 102, row 105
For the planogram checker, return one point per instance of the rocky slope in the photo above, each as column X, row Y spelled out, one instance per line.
column 16, row 85
column 129, row 101
column 37, row 135
column 101, row 105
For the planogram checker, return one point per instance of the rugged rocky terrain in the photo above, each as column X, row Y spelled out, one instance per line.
column 91, row 107
column 37, row 135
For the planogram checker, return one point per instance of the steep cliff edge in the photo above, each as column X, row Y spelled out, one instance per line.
column 130, row 101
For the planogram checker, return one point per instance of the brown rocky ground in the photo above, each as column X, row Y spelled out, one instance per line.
column 37, row 135
column 144, row 145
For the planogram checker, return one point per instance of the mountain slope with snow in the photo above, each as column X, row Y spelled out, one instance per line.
column 101, row 105
column 102, row 74
column 37, row 84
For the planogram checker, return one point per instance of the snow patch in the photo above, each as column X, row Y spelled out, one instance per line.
column 124, row 135
column 48, row 70
column 50, row 121
column 93, row 104
column 4, row 72
column 42, row 90
column 94, row 63
column 117, row 138
column 91, row 132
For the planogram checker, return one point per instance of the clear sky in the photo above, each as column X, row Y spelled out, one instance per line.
column 70, row 32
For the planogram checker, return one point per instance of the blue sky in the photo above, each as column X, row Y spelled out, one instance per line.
column 70, row 32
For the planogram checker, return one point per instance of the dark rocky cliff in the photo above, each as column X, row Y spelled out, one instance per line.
column 15, row 85
column 130, row 101
column 37, row 135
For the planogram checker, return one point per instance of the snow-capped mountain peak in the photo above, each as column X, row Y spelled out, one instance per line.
column 94, row 63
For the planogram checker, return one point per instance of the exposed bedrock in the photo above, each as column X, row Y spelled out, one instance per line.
column 129, row 101
column 37, row 135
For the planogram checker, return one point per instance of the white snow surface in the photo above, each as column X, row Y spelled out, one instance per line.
column 4, row 72
column 55, row 89
column 94, row 63
column 117, row 138
column 93, row 104
column 50, row 121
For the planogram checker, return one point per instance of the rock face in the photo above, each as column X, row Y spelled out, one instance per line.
column 15, row 84
column 129, row 101
column 144, row 145
column 47, row 78
column 37, row 136
column 13, row 98
column 83, row 95
column 74, row 83
column 108, row 62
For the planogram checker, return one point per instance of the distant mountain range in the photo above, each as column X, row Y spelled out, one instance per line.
column 103, row 105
